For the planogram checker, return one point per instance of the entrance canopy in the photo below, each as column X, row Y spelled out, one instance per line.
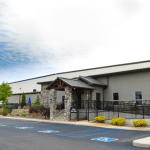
column 61, row 83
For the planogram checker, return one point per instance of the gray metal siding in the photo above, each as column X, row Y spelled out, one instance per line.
column 15, row 98
column 97, row 90
column 127, row 84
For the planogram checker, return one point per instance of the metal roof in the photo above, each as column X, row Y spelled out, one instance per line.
column 100, row 70
column 74, row 83
column 92, row 81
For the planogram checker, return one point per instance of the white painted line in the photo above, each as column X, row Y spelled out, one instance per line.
column 24, row 127
column 48, row 131
column 104, row 139
column 2, row 125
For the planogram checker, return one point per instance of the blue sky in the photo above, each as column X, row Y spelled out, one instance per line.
column 44, row 36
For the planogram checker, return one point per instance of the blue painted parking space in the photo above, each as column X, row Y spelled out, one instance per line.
column 87, row 133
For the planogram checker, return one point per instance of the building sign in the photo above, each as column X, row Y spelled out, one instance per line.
column 73, row 109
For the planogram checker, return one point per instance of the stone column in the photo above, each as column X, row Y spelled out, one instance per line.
column 68, row 100
column 74, row 96
column 44, row 95
column 87, row 96
column 53, row 96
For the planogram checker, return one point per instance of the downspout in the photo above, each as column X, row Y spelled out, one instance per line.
column 105, row 88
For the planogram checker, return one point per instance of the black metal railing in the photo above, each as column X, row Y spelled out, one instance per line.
column 59, row 108
column 131, row 107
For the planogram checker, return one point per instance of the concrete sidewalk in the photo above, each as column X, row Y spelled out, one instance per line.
column 144, row 142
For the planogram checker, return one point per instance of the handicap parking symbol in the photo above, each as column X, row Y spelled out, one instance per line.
column 48, row 131
column 24, row 127
column 104, row 139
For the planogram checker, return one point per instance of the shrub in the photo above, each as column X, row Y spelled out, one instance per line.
column 39, row 106
column 140, row 123
column 100, row 119
column 9, row 106
column 1, row 106
column 4, row 112
column 23, row 114
column 118, row 121
column 46, row 112
column 35, row 114
column 33, row 110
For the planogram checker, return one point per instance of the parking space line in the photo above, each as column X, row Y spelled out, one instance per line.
column 2, row 125
column 48, row 131
column 24, row 127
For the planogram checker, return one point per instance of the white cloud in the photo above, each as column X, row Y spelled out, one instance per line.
column 77, row 34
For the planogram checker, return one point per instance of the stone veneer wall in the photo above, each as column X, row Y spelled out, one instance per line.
column 44, row 95
column 74, row 96
column 68, row 100
column 53, row 96
column 18, row 112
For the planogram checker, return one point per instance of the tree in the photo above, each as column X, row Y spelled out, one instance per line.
column 23, row 102
column 5, row 91
column 37, row 104
column 37, row 101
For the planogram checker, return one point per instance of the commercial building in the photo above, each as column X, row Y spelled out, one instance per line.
column 123, row 82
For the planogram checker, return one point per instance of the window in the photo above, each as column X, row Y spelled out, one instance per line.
column 138, row 96
column 34, row 90
column 116, row 97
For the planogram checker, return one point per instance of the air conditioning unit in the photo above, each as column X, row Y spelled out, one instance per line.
column 34, row 90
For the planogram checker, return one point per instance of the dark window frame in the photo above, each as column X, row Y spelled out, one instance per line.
column 138, row 100
column 115, row 97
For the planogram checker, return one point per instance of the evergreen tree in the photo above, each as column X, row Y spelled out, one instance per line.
column 23, row 102
column 37, row 101
column 37, row 104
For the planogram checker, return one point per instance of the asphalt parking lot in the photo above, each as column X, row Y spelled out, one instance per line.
column 25, row 135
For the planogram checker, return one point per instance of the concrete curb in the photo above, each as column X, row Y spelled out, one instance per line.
column 84, row 123
column 144, row 142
